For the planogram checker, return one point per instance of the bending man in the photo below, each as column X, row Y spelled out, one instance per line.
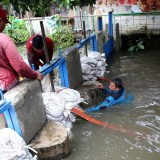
column 36, row 52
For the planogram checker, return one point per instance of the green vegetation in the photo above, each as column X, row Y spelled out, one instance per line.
column 62, row 36
column 137, row 47
column 17, row 30
column 41, row 7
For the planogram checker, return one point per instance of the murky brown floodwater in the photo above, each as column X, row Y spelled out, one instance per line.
column 141, row 76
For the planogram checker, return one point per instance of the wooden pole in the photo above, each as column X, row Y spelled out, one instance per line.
column 84, row 31
column 46, row 54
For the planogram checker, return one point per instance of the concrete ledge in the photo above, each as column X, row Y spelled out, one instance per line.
column 52, row 142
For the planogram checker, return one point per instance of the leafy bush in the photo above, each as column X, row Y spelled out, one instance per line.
column 62, row 36
column 17, row 30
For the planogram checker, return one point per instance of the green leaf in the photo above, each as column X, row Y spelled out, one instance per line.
column 139, row 45
column 131, row 48
column 67, row 1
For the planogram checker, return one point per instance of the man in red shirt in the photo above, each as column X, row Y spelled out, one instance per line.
column 35, row 51
column 12, row 65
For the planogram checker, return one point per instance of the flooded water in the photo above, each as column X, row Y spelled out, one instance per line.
column 140, row 73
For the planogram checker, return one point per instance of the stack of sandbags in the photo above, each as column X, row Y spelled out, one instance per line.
column 93, row 66
column 58, row 105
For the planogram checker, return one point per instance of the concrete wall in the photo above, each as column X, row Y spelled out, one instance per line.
column 130, row 23
column 26, row 98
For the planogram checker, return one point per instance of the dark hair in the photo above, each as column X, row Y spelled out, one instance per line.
column 37, row 42
column 118, row 82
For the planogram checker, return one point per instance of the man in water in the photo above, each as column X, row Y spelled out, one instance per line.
column 114, row 94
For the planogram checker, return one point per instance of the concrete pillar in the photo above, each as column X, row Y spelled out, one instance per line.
column 73, row 67
column 117, row 37
column 106, row 32
column 100, row 40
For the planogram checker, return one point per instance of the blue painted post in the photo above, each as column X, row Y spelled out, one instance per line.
column 63, row 74
column 7, row 109
column 100, row 25
column 63, row 71
column 11, row 119
column 110, row 30
column 93, row 44
column 110, row 26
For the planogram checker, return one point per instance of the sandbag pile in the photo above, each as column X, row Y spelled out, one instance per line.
column 93, row 66
column 58, row 105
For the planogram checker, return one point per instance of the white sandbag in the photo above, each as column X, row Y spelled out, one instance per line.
column 100, row 64
column 94, row 79
column 87, row 77
column 70, row 95
column 100, row 72
column 93, row 71
column 88, row 60
column 51, row 117
column 54, row 104
column 13, row 147
column 93, row 66
column 58, row 105
column 86, row 69
column 95, row 55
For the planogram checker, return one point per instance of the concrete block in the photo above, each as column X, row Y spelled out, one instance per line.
column 27, row 100
column 52, row 142
column 73, row 67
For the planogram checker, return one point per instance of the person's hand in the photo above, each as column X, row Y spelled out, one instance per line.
column 39, row 76
column 100, row 85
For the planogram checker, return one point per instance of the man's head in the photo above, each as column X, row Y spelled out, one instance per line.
column 115, row 84
column 37, row 43
column 3, row 19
